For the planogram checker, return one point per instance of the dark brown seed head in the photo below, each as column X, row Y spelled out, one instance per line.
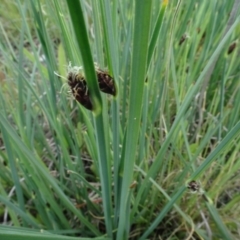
column 194, row 186
column 106, row 82
column 79, row 89
column 232, row 47
column 183, row 38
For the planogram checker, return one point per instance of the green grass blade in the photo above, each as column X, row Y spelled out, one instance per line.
column 223, row 231
column 100, row 120
column 28, row 219
column 80, row 30
column 163, row 213
column 138, row 73
column 156, row 31
column 217, row 151
column 14, row 233
column 229, row 138
column 35, row 167
column 189, row 96
column 13, row 165
column 110, row 38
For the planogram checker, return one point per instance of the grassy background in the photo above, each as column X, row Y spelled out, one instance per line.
column 123, row 170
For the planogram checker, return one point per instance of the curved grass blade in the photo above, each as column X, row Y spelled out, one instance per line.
column 41, row 170
column 229, row 138
column 189, row 96
column 224, row 232
column 15, row 233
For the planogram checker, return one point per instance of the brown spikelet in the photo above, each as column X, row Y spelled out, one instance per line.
column 193, row 186
column 183, row 38
column 232, row 47
column 106, row 82
column 79, row 89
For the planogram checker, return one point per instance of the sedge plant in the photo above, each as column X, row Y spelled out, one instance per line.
column 119, row 119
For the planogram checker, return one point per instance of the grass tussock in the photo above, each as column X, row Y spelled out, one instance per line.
column 140, row 140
